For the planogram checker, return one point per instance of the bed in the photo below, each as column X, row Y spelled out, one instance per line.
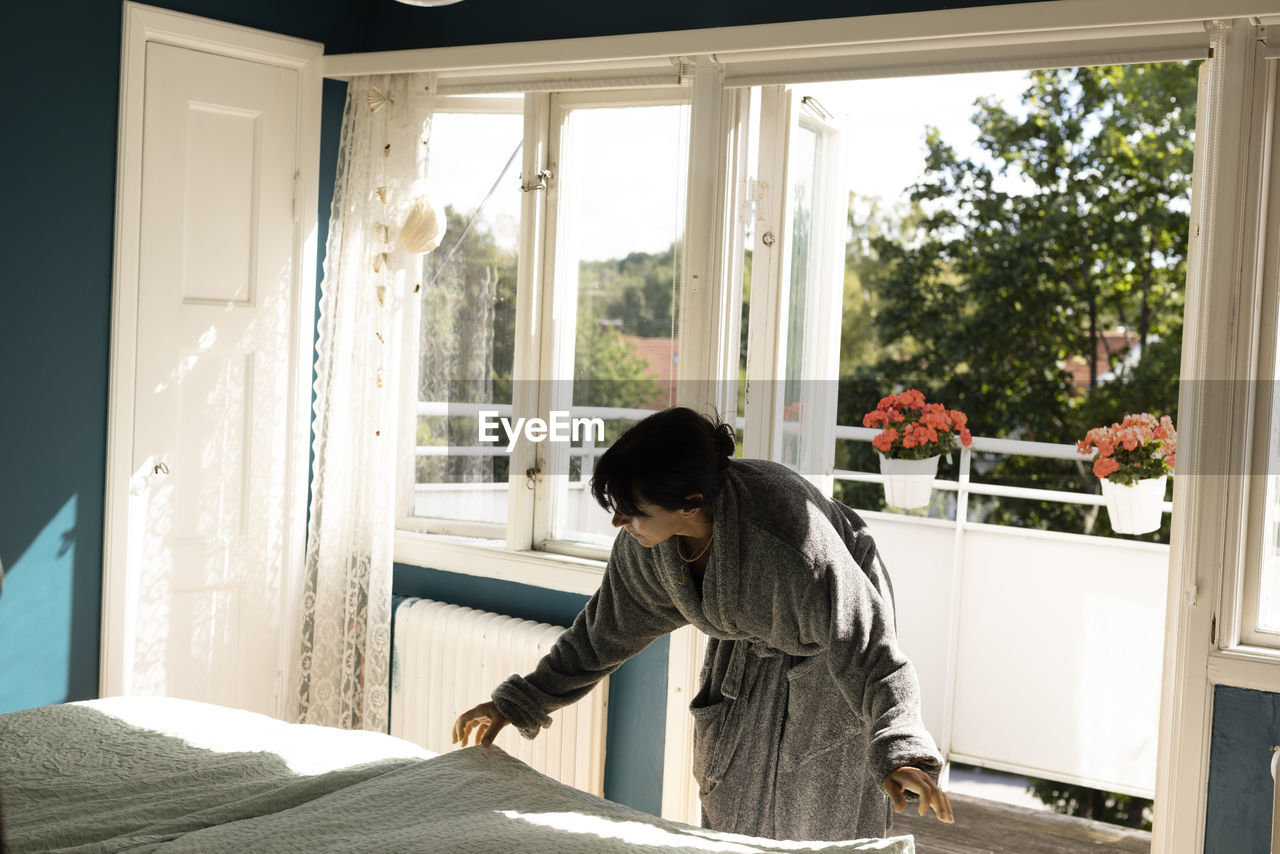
column 159, row 774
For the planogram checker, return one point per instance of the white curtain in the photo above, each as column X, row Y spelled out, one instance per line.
column 369, row 279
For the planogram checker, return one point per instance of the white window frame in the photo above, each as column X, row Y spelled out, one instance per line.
column 406, row 521
column 558, row 326
column 1208, row 554
column 1241, row 633
column 541, row 355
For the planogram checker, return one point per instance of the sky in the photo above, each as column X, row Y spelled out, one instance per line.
column 626, row 185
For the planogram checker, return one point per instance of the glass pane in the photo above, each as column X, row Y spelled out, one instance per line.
column 748, row 242
column 468, row 316
column 620, row 228
column 1039, row 293
column 1269, row 583
column 802, row 169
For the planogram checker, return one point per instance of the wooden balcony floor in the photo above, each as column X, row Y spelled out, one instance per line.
column 989, row 827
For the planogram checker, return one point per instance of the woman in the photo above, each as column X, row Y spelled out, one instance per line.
column 808, row 714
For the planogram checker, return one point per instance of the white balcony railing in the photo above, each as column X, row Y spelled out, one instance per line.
column 1038, row 652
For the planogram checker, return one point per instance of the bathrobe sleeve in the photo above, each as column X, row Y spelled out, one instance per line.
column 629, row 611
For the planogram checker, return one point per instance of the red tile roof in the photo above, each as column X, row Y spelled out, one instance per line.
column 1110, row 344
column 662, row 354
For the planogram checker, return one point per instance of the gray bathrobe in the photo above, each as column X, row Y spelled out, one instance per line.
column 806, row 702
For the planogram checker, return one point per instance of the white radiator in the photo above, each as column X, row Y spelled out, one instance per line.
column 446, row 659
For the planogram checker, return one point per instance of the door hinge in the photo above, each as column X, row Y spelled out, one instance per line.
column 1213, row 630
column 293, row 203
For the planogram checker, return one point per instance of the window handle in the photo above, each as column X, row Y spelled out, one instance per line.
column 543, row 176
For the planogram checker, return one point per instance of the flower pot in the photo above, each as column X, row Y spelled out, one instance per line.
column 1135, row 509
column 908, row 484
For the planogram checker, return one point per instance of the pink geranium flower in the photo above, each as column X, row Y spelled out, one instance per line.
column 1139, row 447
column 915, row 429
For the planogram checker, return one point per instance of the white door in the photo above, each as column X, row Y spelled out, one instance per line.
column 213, row 493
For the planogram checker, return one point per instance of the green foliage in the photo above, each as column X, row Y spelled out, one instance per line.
column 1005, row 267
column 1084, row 802
column 609, row 371
column 622, row 296
column 465, row 345
column 637, row 290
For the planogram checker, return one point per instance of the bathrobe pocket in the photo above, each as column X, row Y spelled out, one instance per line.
column 711, row 750
column 738, row 715
column 737, row 712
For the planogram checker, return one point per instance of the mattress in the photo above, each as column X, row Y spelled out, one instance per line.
column 159, row 774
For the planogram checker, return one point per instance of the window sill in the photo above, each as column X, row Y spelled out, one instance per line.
column 491, row 559
column 1243, row 666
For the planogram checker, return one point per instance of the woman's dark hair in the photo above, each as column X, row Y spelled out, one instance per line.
column 661, row 460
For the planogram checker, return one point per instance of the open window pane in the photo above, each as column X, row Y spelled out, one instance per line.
column 618, row 243
column 817, row 233
column 1269, row 582
column 466, row 338
column 797, row 267
column 1026, row 267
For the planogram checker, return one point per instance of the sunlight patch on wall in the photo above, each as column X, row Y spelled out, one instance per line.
column 35, row 617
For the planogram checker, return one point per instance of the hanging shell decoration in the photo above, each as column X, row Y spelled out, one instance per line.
column 423, row 227
column 379, row 261
column 381, row 232
column 382, row 296
column 377, row 99
column 382, row 194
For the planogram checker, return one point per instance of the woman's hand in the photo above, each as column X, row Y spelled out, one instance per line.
column 485, row 719
column 908, row 778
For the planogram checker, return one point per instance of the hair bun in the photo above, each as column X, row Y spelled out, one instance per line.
column 724, row 438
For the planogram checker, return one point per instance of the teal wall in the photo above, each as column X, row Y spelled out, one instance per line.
column 55, row 317
column 1246, row 724
column 395, row 26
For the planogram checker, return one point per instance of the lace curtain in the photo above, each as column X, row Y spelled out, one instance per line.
column 370, row 279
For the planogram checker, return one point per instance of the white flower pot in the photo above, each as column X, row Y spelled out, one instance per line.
column 1135, row 509
column 908, row 484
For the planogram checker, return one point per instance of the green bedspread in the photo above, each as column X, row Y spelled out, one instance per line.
column 152, row 774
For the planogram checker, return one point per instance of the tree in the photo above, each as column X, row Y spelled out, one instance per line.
column 637, row 289
column 464, row 343
column 1074, row 223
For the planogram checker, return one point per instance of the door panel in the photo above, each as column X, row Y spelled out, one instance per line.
column 212, row 395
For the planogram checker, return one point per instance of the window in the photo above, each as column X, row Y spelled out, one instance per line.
column 467, row 319
column 609, row 194
column 617, row 233
column 553, row 286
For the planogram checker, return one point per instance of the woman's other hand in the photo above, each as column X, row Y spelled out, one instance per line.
column 911, row 779
column 485, row 720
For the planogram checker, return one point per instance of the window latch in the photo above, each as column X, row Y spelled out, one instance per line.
column 543, row 175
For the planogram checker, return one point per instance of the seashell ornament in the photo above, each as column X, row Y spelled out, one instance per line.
column 377, row 99
column 423, row 227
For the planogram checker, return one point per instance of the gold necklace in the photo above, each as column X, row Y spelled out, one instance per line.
column 682, row 575
column 695, row 557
